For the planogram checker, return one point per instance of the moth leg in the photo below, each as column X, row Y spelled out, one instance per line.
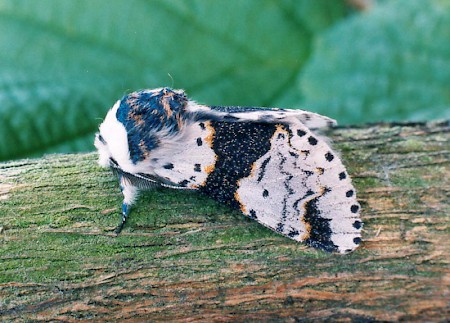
column 129, row 194
column 125, row 213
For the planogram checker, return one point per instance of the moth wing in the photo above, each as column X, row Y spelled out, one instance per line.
column 260, row 115
column 301, row 189
column 283, row 176
column 186, row 161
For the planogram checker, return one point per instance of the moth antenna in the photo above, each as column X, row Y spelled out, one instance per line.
column 171, row 78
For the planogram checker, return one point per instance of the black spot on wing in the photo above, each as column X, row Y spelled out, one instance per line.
column 265, row 193
column 329, row 156
column 168, row 166
column 301, row 133
column 197, row 168
column 312, row 141
column 354, row 208
column 349, row 193
column 252, row 215
column 357, row 224
column 199, row 141
column 342, row 175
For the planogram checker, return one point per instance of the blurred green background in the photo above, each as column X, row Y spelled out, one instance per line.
column 63, row 63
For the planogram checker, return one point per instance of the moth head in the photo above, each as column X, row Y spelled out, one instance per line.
column 138, row 124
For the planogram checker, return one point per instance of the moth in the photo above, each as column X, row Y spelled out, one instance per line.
column 266, row 162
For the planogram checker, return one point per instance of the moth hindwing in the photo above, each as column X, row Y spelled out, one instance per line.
column 267, row 163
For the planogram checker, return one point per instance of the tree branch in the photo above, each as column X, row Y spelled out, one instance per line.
column 183, row 256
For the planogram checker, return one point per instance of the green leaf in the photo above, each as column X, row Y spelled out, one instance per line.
column 391, row 63
column 64, row 63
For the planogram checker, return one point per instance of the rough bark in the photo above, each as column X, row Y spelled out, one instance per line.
column 184, row 257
